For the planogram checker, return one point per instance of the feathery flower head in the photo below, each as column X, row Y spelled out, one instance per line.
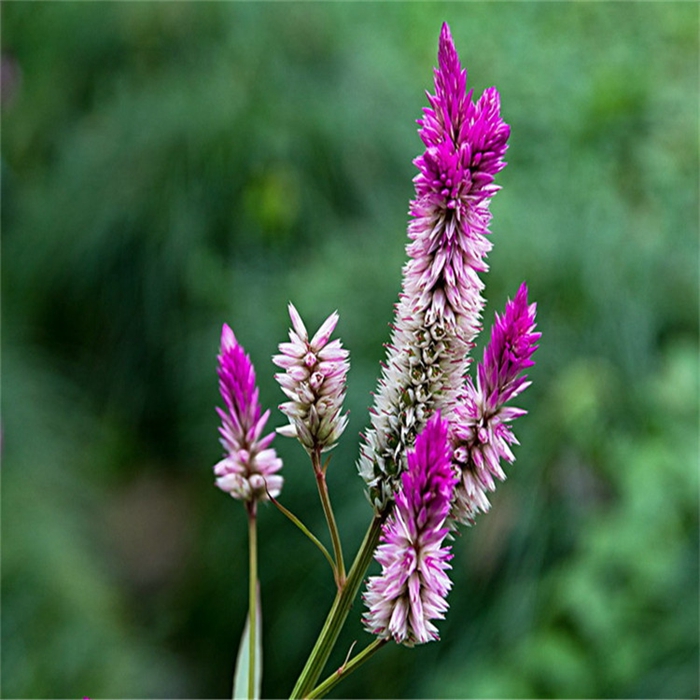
column 249, row 469
column 439, row 310
column 509, row 352
column 481, row 434
column 465, row 144
column 314, row 380
column 413, row 585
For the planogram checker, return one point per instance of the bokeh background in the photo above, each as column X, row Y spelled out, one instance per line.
column 167, row 167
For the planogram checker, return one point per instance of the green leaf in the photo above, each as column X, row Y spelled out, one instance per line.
column 240, row 677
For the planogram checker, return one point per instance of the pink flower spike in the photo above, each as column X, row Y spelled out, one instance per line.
column 481, row 432
column 411, row 591
column 439, row 312
column 314, row 381
column 249, row 468
column 509, row 352
column 465, row 144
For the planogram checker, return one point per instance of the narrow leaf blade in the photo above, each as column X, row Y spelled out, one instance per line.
column 240, row 679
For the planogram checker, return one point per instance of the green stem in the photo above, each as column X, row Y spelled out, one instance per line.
column 347, row 668
column 306, row 531
column 252, row 594
column 338, row 612
column 330, row 518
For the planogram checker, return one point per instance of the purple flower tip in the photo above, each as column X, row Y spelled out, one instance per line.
column 412, row 588
column 249, row 468
column 465, row 145
column 509, row 352
column 481, row 432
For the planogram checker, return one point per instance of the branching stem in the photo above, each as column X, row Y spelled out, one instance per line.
column 339, row 611
column 320, row 473
column 347, row 668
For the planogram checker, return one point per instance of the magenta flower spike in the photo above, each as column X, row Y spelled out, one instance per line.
column 412, row 588
column 249, row 469
column 314, row 381
column 465, row 144
column 439, row 310
column 481, row 434
column 509, row 352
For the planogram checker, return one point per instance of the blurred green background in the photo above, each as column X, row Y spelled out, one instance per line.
column 167, row 167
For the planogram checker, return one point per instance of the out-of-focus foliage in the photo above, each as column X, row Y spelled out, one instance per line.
column 167, row 167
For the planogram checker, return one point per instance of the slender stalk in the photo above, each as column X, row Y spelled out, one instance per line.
column 347, row 668
column 306, row 531
column 338, row 612
column 330, row 518
column 252, row 594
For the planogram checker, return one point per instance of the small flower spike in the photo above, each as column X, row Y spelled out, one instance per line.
column 439, row 310
column 314, row 380
column 249, row 469
column 413, row 585
column 481, row 434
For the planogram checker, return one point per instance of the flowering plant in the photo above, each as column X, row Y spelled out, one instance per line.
column 437, row 437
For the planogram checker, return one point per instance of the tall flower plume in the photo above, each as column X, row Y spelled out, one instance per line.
column 413, row 585
column 249, row 469
column 439, row 310
column 481, row 434
column 314, row 381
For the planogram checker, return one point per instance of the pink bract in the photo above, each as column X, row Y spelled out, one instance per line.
column 411, row 591
column 249, row 468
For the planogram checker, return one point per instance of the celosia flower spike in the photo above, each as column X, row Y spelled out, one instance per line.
column 465, row 144
column 481, row 435
column 314, row 380
column 509, row 352
column 413, row 585
column 249, row 469
column 439, row 310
